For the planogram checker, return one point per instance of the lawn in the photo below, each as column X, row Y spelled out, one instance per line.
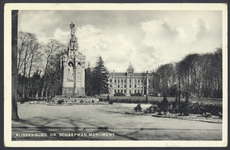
column 106, row 119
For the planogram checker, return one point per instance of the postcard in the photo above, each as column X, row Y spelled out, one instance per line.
column 115, row 75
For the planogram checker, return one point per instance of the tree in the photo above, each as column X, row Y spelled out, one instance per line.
column 88, row 81
column 53, row 75
column 28, row 56
column 189, row 71
column 36, row 83
column 14, row 64
column 198, row 75
column 218, row 72
column 51, row 49
column 164, row 78
column 100, row 77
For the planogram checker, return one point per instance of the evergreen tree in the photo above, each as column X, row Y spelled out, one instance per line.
column 36, row 83
column 88, row 82
column 100, row 78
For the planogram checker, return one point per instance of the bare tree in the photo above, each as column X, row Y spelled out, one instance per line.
column 52, row 48
column 35, row 58
column 27, row 55
column 198, row 75
column 164, row 78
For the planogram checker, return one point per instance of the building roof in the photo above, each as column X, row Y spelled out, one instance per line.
column 118, row 74
column 129, row 70
column 124, row 74
column 139, row 74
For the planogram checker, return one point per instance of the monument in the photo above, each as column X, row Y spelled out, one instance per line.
column 73, row 68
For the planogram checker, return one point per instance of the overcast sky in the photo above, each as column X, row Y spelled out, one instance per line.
column 146, row 39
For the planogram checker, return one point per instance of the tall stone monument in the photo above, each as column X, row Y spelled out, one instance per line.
column 73, row 68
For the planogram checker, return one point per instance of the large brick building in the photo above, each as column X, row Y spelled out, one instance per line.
column 129, row 82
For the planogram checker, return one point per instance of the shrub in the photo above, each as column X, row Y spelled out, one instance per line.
column 136, row 94
column 60, row 101
column 138, row 108
column 119, row 94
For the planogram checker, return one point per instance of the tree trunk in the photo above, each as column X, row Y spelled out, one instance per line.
column 14, row 64
column 36, row 95
column 179, row 90
column 47, row 90
column 44, row 81
column 23, row 90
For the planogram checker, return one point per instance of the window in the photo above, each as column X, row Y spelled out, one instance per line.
column 110, row 85
column 130, row 85
column 149, row 81
column 115, row 80
column 121, row 80
column 135, row 91
column 125, row 86
column 121, row 91
column 118, row 86
column 117, row 91
column 135, row 86
column 124, row 91
column 118, row 80
column 114, row 91
column 110, row 80
column 138, row 81
column 149, row 86
column 130, row 81
column 125, row 80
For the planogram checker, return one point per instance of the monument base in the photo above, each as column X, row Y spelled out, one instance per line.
column 70, row 91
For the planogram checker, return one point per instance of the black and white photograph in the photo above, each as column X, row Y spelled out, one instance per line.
column 102, row 74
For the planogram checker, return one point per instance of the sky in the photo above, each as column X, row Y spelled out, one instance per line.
column 146, row 39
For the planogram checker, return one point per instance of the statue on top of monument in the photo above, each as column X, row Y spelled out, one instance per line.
column 72, row 31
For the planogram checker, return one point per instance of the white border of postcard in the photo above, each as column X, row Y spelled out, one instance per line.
column 144, row 6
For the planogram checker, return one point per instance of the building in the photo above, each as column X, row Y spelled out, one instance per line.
column 73, row 68
column 129, row 82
